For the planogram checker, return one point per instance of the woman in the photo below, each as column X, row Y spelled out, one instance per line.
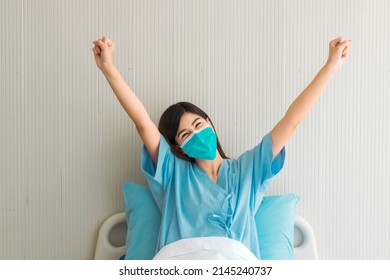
column 200, row 192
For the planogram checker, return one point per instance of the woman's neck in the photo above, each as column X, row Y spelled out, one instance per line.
column 211, row 167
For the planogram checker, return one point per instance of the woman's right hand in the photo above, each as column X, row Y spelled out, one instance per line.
column 103, row 52
column 338, row 51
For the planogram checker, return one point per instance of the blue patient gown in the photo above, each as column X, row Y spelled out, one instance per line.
column 193, row 205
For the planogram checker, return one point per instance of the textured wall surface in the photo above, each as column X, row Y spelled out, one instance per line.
column 67, row 145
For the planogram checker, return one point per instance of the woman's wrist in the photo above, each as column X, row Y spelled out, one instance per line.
column 330, row 68
column 108, row 69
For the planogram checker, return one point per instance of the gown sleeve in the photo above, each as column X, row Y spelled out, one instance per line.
column 158, row 176
column 258, row 168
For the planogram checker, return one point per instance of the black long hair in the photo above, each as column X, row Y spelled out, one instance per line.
column 169, row 124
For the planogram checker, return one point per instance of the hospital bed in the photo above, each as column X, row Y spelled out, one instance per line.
column 305, row 247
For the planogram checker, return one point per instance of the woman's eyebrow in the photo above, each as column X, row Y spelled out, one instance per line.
column 195, row 121
column 178, row 135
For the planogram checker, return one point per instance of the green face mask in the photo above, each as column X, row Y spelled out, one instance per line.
column 201, row 144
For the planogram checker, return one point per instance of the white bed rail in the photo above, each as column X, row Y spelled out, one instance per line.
column 305, row 247
column 105, row 250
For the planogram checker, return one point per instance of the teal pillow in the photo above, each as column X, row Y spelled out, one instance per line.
column 274, row 221
column 275, row 227
column 143, row 222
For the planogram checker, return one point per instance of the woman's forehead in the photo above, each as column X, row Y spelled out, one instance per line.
column 187, row 119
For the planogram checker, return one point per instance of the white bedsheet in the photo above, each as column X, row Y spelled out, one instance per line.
column 205, row 248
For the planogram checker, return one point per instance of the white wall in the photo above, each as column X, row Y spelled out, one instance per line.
column 67, row 145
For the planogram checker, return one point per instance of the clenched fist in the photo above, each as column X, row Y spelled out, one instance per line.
column 338, row 51
column 103, row 51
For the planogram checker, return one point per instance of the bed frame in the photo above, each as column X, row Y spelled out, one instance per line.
column 305, row 247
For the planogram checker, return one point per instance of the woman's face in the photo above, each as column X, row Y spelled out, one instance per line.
column 189, row 122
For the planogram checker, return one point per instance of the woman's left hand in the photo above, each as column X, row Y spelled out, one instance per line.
column 338, row 51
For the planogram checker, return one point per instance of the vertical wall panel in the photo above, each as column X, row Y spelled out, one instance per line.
column 339, row 155
column 12, row 132
column 43, row 174
column 228, row 62
column 67, row 145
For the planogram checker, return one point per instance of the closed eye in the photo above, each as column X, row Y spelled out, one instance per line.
column 197, row 123
column 184, row 135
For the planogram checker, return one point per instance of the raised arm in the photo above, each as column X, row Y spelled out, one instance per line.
column 147, row 130
column 281, row 133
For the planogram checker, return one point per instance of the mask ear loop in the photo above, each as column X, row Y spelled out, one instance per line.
column 180, row 149
column 211, row 124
